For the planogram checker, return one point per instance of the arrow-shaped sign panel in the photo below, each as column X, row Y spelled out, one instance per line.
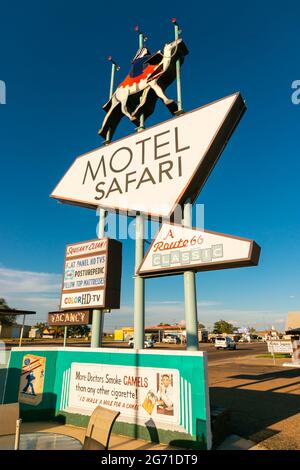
column 177, row 249
column 154, row 170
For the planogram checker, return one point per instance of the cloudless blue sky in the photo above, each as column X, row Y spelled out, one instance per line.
column 53, row 61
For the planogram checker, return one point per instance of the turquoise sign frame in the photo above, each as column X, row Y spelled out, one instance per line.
column 65, row 367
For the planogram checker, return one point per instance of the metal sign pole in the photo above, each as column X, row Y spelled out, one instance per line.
column 17, row 436
column 273, row 354
column 97, row 321
column 65, row 336
column 142, row 40
column 190, row 295
column 98, row 315
column 139, row 283
column 177, row 32
column 139, row 286
column 22, row 332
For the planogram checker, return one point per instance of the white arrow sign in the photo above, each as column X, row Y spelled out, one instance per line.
column 177, row 249
column 154, row 170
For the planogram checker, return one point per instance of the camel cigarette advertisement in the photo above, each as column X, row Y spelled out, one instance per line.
column 149, row 393
column 168, row 162
column 176, row 249
column 32, row 379
column 92, row 275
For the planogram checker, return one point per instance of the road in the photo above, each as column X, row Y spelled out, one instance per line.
column 243, row 349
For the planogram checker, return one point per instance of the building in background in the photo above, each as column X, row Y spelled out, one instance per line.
column 123, row 334
column 13, row 331
column 160, row 333
column 35, row 333
column 292, row 326
column 49, row 333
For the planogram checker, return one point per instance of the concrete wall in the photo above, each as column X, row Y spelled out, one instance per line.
column 75, row 380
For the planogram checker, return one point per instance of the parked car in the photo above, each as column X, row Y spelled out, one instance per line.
column 148, row 343
column 226, row 342
column 171, row 340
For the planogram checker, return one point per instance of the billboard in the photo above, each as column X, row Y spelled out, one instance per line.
column 155, row 393
column 92, row 275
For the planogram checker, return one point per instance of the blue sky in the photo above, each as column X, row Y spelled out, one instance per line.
column 53, row 61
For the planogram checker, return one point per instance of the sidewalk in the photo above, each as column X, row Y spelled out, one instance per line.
column 251, row 359
column 263, row 399
column 117, row 442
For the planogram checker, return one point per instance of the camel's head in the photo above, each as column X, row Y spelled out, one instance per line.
column 174, row 50
column 170, row 49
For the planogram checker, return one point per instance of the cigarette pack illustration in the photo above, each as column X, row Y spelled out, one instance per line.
column 149, row 402
column 32, row 379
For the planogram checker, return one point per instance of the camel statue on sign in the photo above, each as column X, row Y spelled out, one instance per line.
column 147, row 80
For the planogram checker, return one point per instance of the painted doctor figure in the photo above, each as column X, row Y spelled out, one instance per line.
column 165, row 395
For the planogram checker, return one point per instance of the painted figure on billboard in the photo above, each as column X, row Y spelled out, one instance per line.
column 165, row 394
column 30, row 378
column 149, row 76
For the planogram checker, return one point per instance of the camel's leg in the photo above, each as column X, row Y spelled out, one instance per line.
column 171, row 104
column 158, row 90
column 125, row 110
column 142, row 101
column 114, row 103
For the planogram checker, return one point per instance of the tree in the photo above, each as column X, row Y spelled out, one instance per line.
column 201, row 326
column 223, row 326
column 41, row 325
column 78, row 330
column 59, row 331
column 6, row 319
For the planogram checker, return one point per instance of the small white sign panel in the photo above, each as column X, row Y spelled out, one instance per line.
column 154, row 170
column 176, row 249
column 280, row 346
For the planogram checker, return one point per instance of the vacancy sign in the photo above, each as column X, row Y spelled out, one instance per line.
column 154, row 170
column 177, row 249
column 92, row 275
